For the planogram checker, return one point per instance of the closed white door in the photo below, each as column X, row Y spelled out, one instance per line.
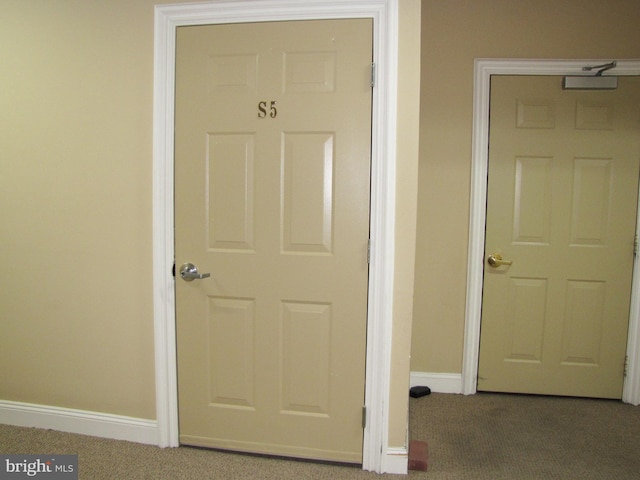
column 562, row 200
column 273, row 134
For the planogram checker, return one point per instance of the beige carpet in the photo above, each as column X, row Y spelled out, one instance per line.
column 478, row 437
column 489, row 436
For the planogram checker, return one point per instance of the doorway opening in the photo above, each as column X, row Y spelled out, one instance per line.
column 484, row 69
column 384, row 14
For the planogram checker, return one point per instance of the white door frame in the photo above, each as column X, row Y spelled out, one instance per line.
column 384, row 13
column 484, row 68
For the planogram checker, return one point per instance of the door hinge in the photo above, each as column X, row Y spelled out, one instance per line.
column 626, row 364
column 373, row 74
column 173, row 269
column 369, row 251
column 635, row 245
column 364, row 417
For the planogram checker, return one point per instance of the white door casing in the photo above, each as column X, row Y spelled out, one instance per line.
column 484, row 68
column 384, row 14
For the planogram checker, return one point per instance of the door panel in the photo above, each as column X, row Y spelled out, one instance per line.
column 561, row 206
column 307, row 191
column 272, row 158
column 230, row 163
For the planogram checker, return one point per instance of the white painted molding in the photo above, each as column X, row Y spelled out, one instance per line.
column 484, row 68
column 631, row 388
column 83, row 422
column 396, row 460
column 384, row 14
column 438, row 382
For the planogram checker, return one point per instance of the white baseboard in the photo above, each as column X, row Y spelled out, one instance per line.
column 395, row 460
column 97, row 424
column 438, row 382
column 118, row 427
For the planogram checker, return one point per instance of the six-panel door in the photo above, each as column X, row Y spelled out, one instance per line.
column 562, row 199
column 273, row 134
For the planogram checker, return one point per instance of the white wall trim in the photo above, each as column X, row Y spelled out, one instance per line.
column 438, row 382
column 83, row 422
column 484, row 68
column 396, row 460
column 379, row 328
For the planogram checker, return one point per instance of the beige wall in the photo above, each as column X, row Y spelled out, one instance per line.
column 407, row 191
column 75, row 206
column 454, row 33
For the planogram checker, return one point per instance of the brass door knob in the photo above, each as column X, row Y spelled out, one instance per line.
column 495, row 260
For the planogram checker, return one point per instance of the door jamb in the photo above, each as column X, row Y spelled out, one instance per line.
column 483, row 69
column 384, row 14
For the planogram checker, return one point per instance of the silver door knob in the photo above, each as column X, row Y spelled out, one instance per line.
column 189, row 272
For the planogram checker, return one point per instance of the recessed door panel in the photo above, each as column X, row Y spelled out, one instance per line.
column 230, row 165
column 590, row 213
column 231, row 343
column 525, row 319
column 310, row 72
column 306, row 368
column 584, row 322
column 532, row 202
column 308, row 192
